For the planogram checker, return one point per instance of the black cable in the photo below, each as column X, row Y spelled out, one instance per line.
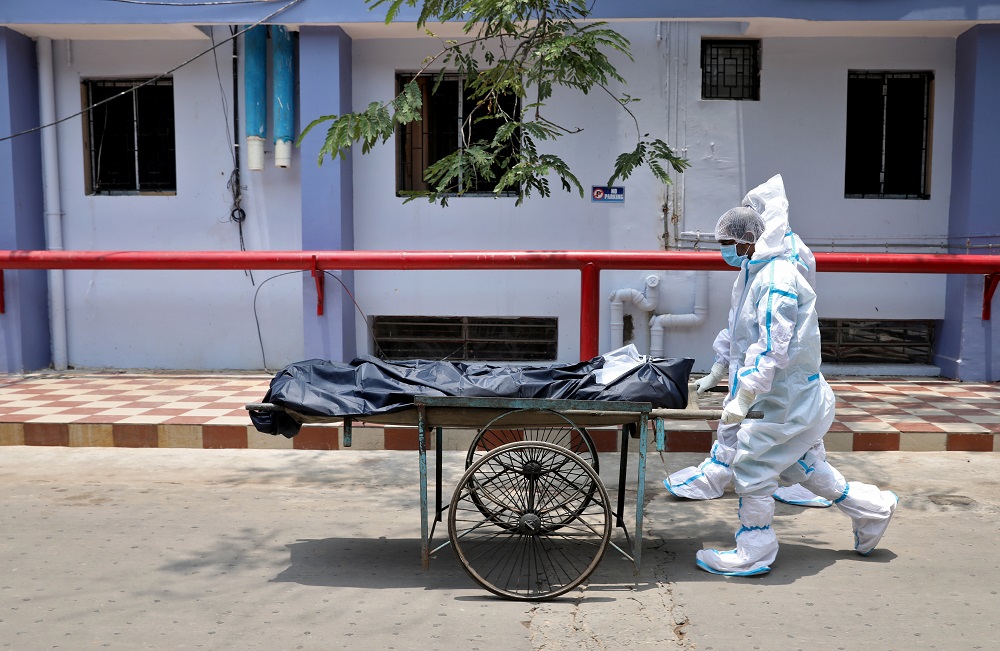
column 289, row 5
column 260, row 337
column 234, row 184
column 371, row 330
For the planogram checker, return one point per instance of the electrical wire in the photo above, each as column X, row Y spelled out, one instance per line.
column 234, row 185
column 260, row 337
column 274, row 13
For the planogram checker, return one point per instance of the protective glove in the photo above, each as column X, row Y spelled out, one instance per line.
column 737, row 408
column 718, row 372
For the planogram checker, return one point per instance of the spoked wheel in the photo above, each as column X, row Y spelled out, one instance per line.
column 546, row 525
column 566, row 435
column 497, row 433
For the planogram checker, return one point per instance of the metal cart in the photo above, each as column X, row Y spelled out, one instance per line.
column 530, row 519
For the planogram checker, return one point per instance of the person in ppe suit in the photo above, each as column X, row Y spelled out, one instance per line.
column 774, row 359
column 709, row 479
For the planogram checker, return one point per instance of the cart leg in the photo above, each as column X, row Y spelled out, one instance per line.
column 640, row 493
column 438, row 454
column 425, row 546
column 622, row 476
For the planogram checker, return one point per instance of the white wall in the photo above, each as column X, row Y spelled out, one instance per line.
column 797, row 129
column 175, row 319
column 196, row 319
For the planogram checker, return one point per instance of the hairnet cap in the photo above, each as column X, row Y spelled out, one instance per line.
column 741, row 224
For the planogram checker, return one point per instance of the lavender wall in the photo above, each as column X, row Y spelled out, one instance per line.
column 24, row 327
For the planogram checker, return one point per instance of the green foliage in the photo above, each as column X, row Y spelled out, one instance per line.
column 528, row 48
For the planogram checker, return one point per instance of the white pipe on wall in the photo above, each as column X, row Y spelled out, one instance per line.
column 659, row 323
column 646, row 301
column 52, row 207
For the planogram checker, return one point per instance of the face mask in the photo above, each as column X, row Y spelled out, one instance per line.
column 730, row 256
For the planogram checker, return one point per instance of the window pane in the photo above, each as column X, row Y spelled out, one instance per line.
column 863, row 174
column 486, row 130
column 113, row 139
column 888, row 134
column 906, row 106
column 155, row 129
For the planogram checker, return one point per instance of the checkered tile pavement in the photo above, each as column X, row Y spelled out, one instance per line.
column 892, row 413
column 131, row 409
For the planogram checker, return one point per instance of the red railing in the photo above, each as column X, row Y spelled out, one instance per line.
column 590, row 264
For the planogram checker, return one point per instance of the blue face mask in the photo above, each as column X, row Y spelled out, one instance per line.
column 730, row 256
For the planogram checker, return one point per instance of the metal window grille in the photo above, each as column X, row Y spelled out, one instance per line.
column 495, row 339
column 730, row 69
column 438, row 133
column 130, row 136
column 888, row 134
column 877, row 342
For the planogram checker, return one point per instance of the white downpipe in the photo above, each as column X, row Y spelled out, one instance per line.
column 646, row 301
column 53, row 207
column 659, row 323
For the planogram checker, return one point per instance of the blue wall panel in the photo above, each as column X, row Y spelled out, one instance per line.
column 327, row 190
column 24, row 328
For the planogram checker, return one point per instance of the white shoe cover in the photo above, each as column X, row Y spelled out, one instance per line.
column 706, row 481
column 797, row 495
column 869, row 528
column 756, row 544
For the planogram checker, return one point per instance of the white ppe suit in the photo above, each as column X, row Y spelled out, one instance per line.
column 773, row 349
column 709, row 479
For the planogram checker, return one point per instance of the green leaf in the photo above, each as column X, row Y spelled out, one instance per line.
column 522, row 48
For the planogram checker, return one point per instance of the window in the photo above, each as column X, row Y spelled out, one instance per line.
column 877, row 342
column 888, row 134
column 438, row 133
column 496, row 339
column 730, row 69
column 129, row 140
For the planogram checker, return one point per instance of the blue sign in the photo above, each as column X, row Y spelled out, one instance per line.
column 614, row 194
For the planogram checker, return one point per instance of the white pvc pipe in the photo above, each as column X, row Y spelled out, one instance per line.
column 645, row 301
column 52, row 207
column 659, row 323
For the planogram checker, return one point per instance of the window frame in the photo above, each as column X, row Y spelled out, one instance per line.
column 710, row 86
column 407, row 178
column 916, row 185
column 150, row 130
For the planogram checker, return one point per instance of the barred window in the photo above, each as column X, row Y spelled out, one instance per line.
column 888, row 134
column 129, row 136
column 438, row 133
column 456, row 338
column 730, row 69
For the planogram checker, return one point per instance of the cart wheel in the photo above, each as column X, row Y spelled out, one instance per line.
column 569, row 436
column 554, row 524
column 573, row 438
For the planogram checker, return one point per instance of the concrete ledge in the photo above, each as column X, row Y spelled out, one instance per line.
column 694, row 436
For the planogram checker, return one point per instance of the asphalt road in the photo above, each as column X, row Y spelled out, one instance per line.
column 116, row 548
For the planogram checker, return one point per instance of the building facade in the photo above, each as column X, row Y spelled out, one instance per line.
column 878, row 116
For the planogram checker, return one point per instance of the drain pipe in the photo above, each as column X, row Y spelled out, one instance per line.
column 284, row 98
column 53, row 207
column 661, row 322
column 255, row 91
column 645, row 301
